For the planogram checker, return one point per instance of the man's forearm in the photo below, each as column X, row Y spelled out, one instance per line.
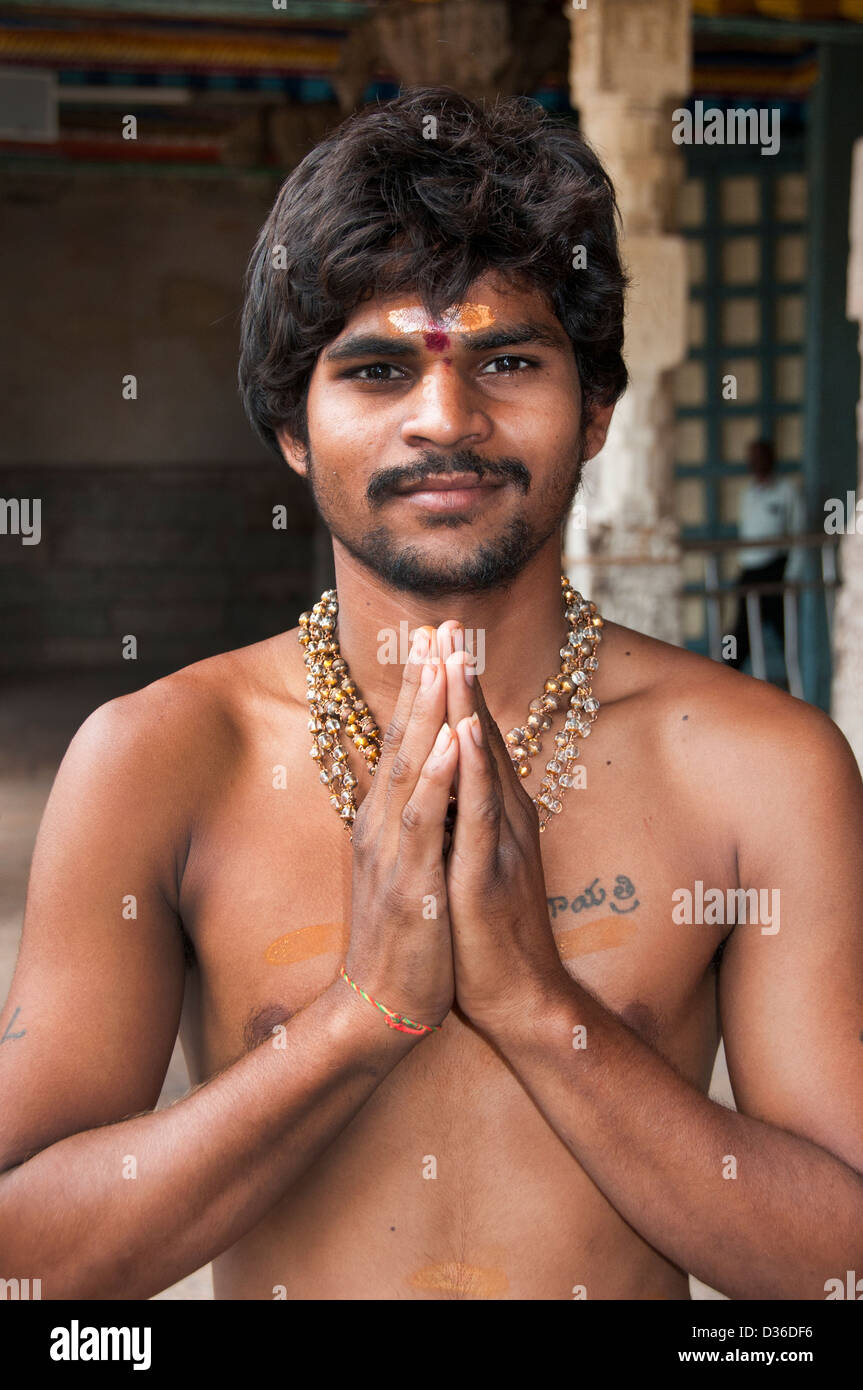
column 659, row 1150
column 207, row 1168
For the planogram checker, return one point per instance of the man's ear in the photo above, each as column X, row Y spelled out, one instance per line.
column 597, row 429
column 294, row 451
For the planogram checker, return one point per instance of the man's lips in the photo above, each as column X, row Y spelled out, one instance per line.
column 449, row 482
column 447, row 492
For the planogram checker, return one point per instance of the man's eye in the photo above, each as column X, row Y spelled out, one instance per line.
column 377, row 371
column 506, row 365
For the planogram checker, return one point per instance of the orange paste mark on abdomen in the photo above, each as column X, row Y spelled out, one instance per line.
column 454, row 1277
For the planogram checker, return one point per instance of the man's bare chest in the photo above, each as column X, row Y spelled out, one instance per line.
column 266, row 902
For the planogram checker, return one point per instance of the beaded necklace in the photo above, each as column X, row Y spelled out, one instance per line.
column 334, row 701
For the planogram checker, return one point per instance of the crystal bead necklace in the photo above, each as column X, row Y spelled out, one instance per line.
column 334, row 702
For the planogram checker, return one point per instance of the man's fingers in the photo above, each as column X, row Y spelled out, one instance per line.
column 480, row 805
column 460, row 698
column 427, row 715
column 463, row 698
column 422, row 815
column 450, row 638
column 460, row 701
column 510, row 782
column 422, row 645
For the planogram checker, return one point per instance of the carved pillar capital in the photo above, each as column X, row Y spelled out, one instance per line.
column 483, row 48
column 629, row 50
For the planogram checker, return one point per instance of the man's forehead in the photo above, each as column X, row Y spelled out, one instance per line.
column 458, row 318
column 489, row 300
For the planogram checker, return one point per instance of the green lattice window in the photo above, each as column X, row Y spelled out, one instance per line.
column 744, row 219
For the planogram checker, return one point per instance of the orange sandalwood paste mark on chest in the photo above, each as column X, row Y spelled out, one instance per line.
column 595, row 936
column 305, row 942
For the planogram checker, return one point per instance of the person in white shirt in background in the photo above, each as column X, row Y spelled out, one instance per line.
column 771, row 505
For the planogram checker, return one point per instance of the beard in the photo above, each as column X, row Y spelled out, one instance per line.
column 493, row 563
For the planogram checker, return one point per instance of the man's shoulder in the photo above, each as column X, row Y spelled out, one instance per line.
column 197, row 712
column 728, row 726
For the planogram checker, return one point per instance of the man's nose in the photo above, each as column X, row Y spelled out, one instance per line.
column 445, row 410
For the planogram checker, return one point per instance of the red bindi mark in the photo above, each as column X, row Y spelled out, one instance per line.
column 436, row 341
column 447, row 361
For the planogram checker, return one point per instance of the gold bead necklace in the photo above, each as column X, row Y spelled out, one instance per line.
column 334, row 701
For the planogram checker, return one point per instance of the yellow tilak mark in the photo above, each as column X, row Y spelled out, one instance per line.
column 458, row 318
column 454, row 1277
column 595, row 936
column 305, row 942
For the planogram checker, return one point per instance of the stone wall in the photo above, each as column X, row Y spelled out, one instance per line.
column 184, row 559
column 156, row 511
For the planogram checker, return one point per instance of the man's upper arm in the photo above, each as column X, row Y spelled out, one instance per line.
column 792, row 1000
column 93, row 1011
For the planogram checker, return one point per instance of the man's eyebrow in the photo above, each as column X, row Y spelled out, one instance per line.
column 369, row 345
column 514, row 336
column 381, row 344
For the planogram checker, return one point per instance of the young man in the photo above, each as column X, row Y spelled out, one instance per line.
column 442, row 1058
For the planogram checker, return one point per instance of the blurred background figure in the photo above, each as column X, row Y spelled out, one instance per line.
column 771, row 505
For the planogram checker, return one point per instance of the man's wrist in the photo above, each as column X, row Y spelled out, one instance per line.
column 362, row 1023
column 534, row 1016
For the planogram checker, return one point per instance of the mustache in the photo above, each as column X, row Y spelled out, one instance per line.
column 388, row 480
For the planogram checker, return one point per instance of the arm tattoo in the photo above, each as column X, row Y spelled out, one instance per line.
column 7, row 1036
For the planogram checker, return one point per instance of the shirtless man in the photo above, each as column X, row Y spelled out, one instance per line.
column 553, row 1138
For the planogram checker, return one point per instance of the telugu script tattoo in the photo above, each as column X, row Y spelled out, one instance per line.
column 593, row 896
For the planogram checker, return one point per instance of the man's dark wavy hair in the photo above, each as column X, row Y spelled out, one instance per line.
column 376, row 208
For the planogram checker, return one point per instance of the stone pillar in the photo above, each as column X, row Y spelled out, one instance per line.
column 847, row 704
column 483, row 48
column 630, row 67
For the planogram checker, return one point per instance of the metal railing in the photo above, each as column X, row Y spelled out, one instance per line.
column 714, row 591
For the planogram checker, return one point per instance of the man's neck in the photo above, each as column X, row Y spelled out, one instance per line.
column 519, row 632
